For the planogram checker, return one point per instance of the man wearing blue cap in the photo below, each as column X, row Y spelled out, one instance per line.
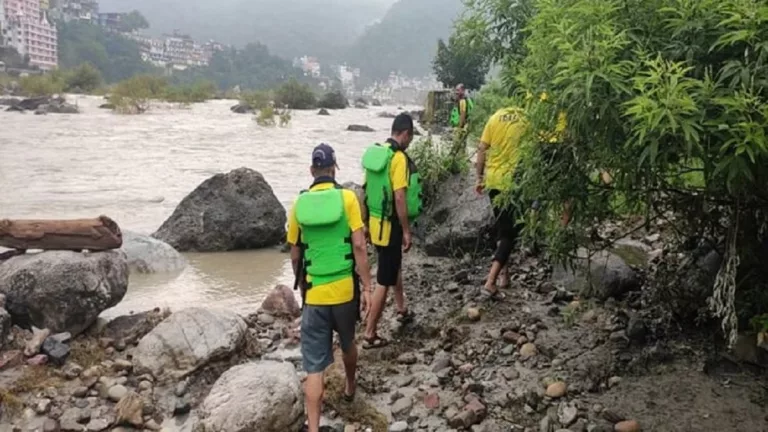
column 325, row 231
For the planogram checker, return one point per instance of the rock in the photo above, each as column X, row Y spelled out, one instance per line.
column 56, row 351
column 80, row 392
column 62, row 108
column 9, row 101
column 474, row 314
column 129, row 409
column 528, row 350
column 5, row 325
column 237, row 210
column 73, row 419
column 636, row 328
column 181, row 407
column 43, row 406
column 459, row 221
column 407, row 358
column 510, row 337
column 61, row 290
column 432, row 400
column 359, row 128
column 72, row 370
column 32, row 104
column 36, row 342
column 614, row 381
column 131, row 328
column 149, row 255
column 556, row 390
column 627, row 426
column 400, row 426
column 376, row 103
column 11, row 359
column 51, row 425
column 38, row 360
column 265, row 319
column 108, row 106
column 510, row 374
column 64, row 337
column 152, row 425
column 567, row 414
column 116, row 392
column 241, row 108
column 402, row 406
column 187, row 340
column 442, row 360
column 323, row 112
column 41, row 110
column 607, row 275
column 258, row 396
column 385, row 114
column 281, row 302
column 360, row 105
column 96, row 425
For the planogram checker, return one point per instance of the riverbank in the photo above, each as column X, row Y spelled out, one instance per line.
column 541, row 361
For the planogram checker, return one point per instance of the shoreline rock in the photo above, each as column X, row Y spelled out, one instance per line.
column 146, row 254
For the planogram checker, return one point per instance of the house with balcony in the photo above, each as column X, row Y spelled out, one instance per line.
column 26, row 27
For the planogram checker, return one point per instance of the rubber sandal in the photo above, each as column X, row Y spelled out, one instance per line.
column 405, row 317
column 374, row 343
column 497, row 295
column 348, row 398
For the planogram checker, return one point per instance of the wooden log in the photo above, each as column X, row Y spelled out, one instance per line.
column 97, row 234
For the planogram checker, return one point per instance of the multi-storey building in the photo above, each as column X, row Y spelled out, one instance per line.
column 25, row 27
column 110, row 20
column 75, row 10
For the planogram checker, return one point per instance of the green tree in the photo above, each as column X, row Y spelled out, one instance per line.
column 295, row 95
column 84, row 78
column 668, row 96
column 134, row 95
column 133, row 21
column 334, row 99
column 459, row 62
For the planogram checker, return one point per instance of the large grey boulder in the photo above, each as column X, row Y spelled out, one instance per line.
column 603, row 275
column 459, row 220
column 61, row 290
column 262, row 396
column 237, row 210
column 187, row 340
column 149, row 255
column 5, row 321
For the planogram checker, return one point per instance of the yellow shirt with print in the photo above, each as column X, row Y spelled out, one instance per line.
column 341, row 291
column 379, row 230
column 502, row 134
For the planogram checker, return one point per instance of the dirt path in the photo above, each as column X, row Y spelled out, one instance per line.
column 491, row 367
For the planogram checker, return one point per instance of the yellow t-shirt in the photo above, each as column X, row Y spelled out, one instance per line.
column 341, row 291
column 502, row 134
column 379, row 230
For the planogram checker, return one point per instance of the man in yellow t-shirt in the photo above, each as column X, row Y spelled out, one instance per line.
column 392, row 237
column 334, row 305
column 497, row 158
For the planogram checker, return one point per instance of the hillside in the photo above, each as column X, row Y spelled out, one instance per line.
column 405, row 39
column 288, row 28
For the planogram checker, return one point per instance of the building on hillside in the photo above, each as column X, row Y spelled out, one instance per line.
column 26, row 27
column 110, row 20
column 45, row 5
column 75, row 10
column 310, row 66
column 178, row 49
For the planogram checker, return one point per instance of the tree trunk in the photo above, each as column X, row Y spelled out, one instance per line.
column 97, row 234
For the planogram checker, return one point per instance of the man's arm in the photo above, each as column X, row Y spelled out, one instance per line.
column 360, row 250
column 295, row 258
column 482, row 148
column 402, row 210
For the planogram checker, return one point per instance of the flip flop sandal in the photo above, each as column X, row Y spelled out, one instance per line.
column 493, row 296
column 348, row 398
column 405, row 317
column 374, row 343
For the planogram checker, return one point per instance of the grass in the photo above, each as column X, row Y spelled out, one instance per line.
column 86, row 352
column 358, row 411
column 33, row 378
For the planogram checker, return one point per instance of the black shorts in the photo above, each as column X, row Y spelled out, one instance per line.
column 505, row 218
column 390, row 258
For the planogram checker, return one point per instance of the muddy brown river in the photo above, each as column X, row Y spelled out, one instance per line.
column 136, row 169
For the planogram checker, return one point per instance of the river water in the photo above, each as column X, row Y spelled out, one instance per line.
column 136, row 169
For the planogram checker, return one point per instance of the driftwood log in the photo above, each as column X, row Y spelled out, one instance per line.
column 97, row 234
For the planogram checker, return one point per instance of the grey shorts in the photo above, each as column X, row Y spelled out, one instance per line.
column 317, row 326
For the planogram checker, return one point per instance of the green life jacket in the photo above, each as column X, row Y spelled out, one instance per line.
column 326, row 240
column 456, row 115
column 379, row 196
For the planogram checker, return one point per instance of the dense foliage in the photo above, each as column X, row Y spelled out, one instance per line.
column 252, row 67
column 135, row 95
column 459, row 62
column 668, row 96
column 295, row 95
column 116, row 57
column 334, row 99
column 83, row 79
column 405, row 39
column 133, row 21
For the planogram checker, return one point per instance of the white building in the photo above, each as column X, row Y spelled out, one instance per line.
column 25, row 26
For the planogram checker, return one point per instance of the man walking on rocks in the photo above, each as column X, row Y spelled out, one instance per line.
column 325, row 230
column 393, row 201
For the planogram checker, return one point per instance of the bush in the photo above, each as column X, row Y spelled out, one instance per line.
column 265, row 117
column 436, row 163
column 188, row 94
column 42, row 85
column 257, row 100
column 133, row 96
column 295, row 95
column 333, row 100
column 84, row 78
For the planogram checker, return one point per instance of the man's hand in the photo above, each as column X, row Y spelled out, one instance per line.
column 367, row 234
column 365, row 303
column 407, row 241
column 479, row 188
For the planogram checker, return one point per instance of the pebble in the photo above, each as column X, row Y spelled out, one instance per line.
column 181, row 388
column 400, row 426
column 122, row 365
column 557, row 390
column 528, row 350
column 510, row 336
column 72, row 370
column 402, row 406
column 558, row 362
column 116, row 392
column 627, row 426
column 50, row 425
column 152, row 425
column 182, row 407
column 145, row 385
column 474, row 314
column 567, row 414
column 432, row 401
column 408, row 358
column 38, row 360
column 614, row 381
column 43, row 406
column 97, row 425
column 266, row 319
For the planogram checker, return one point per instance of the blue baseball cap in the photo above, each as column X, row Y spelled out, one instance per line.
column 323, row 156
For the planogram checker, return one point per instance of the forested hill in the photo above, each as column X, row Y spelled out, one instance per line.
column 405, row 39
column 289, row 28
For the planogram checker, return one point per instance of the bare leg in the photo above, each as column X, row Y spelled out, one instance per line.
column 313, row 397
column 490, row 284
column 400, row 293
column 504, row 277
column 350, row 368
column 374, row 315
